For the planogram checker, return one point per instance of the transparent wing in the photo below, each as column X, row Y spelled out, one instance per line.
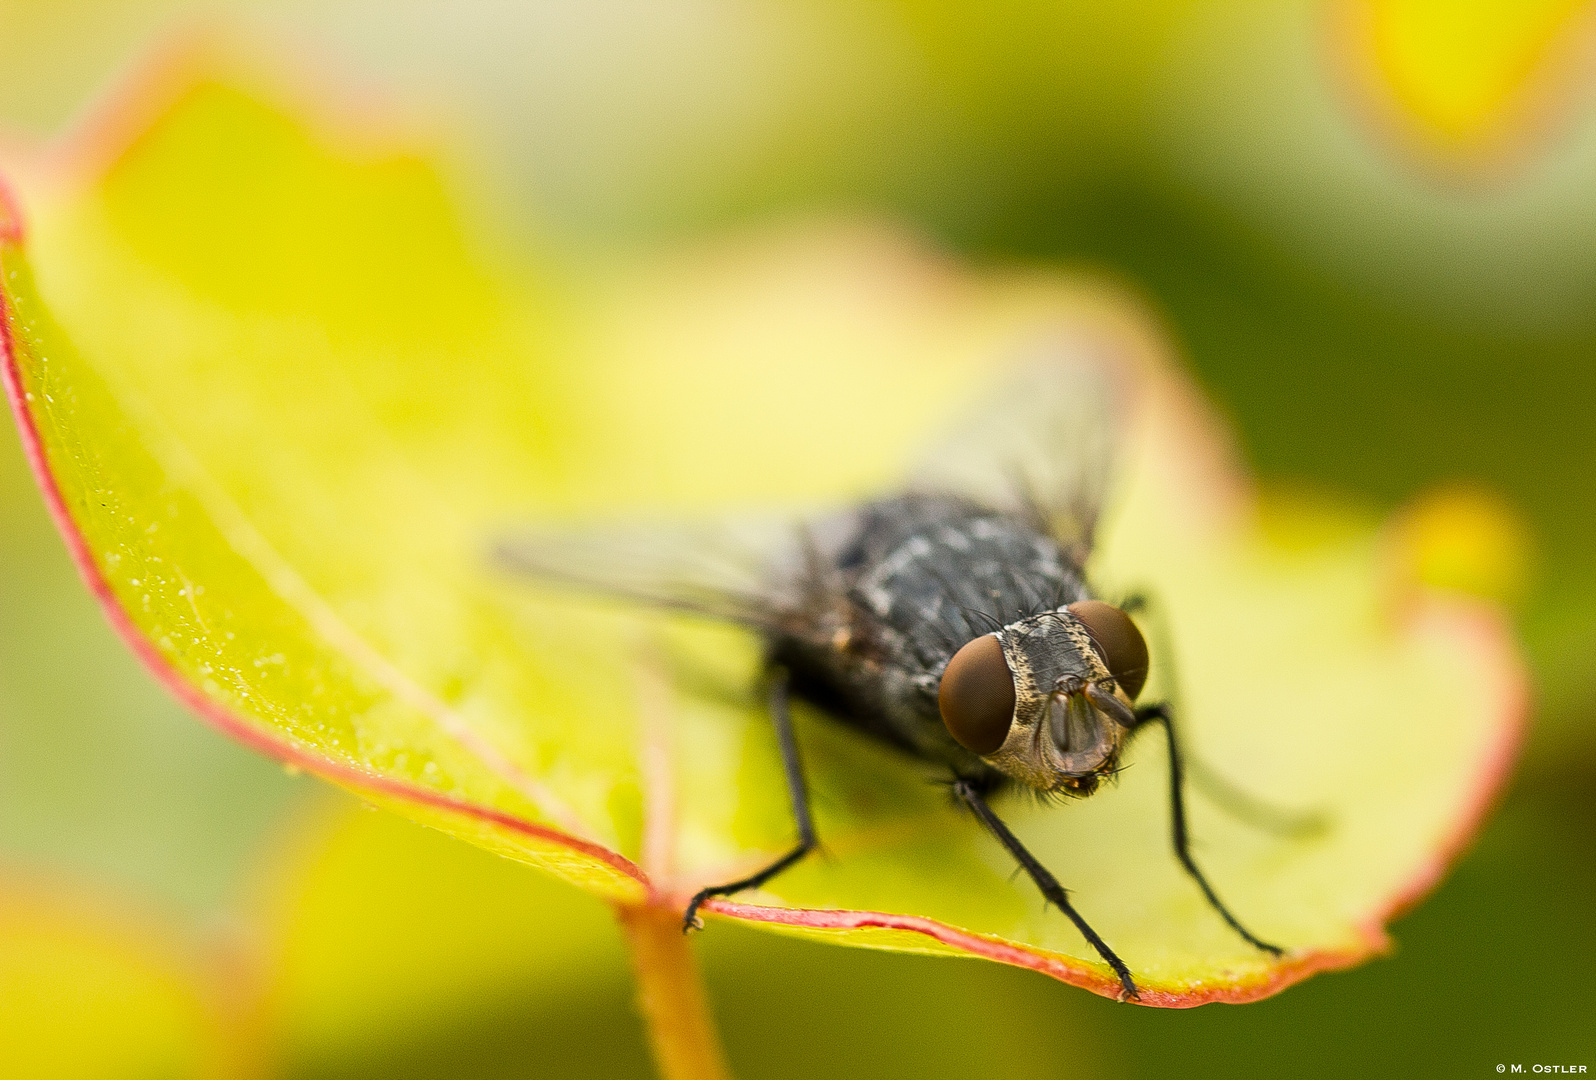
column 761, row 572
column 1042, row 443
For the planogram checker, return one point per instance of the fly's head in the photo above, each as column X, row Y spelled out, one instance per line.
column 1049, row 699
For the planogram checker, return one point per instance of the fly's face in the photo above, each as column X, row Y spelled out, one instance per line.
column 1048, row 699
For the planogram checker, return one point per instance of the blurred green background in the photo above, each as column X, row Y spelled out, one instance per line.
column 1370, row 229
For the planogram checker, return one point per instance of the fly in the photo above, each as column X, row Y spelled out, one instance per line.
column 952, row 619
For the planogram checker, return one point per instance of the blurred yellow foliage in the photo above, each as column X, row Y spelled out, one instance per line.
column 1465, row 539
column 87, row 993
column 1468, row 73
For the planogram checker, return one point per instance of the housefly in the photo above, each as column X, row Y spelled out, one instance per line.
column 952, row 619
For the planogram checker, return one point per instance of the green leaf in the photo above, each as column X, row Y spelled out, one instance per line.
column 285, row 398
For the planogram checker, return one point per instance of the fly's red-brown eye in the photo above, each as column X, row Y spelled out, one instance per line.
column 976, row 695
column 1122, row 646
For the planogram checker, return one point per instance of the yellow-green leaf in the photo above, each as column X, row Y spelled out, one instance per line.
column 284, row 398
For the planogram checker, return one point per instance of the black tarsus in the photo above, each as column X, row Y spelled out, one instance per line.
column 1177, row 813
column 1055, row 893
column 797, row 790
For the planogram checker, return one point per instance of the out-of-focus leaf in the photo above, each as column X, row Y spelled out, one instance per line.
column 285, row 405
column 394, row 951
column 397, row 951
column 1464, row 80
column 88, row 993
column 1466, row 539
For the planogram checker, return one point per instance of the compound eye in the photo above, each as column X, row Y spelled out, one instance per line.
column 1119, row 642
column 977, row 695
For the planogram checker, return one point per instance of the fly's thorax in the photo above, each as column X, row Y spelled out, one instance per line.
column 1058, row 740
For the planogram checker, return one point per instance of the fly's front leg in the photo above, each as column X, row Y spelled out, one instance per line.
column 797, row 791
column 1234, row 801
column 1055, row 893
column 1177, row 814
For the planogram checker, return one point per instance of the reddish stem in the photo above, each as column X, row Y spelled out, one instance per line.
column 670, row 992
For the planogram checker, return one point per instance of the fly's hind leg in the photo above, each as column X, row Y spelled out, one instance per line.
column 797, row 791
column 1055, row 893
column 1160, row 714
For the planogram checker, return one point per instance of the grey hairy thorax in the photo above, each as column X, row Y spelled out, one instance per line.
column 919, row 576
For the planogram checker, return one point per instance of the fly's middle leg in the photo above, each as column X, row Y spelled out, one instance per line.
column 1045, row 881
column 797, row 791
